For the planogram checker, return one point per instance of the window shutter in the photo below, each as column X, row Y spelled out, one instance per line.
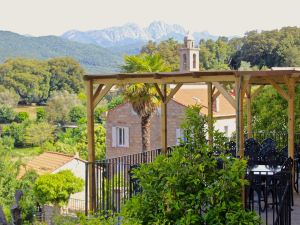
column 114, row 137
column 126, row 129
column 178, row 136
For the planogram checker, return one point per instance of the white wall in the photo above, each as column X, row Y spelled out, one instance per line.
column 221, row 123
column 78, row 169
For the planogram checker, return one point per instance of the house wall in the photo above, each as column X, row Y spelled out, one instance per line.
column 124, row 116
column 229, row 122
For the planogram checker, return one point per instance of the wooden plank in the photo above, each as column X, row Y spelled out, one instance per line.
column 215, row 95
column 162, row 97
column 164, row 128
column 100, row 96
column 173, row 92
column 278, row 88
column 224, row 92
column 97, row 92
column 210, row 113
column 91, row 146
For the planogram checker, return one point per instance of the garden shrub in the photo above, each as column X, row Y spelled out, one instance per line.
column 40, row 114
column 21, row 117
column 7, row 114
column 188, row 188
column 77, row 113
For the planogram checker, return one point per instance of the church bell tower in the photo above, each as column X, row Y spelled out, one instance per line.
column 189, row 55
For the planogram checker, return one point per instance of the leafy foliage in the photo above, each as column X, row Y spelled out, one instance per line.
column 8, row 97
column 57, row 188
column 77, row 113
column 40, row 114
column 37, row 134
column 168, row 50
column 60, row 105
column 21, row 117
column 7, row 114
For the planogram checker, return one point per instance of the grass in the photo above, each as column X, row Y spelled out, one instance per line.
column 31, row 110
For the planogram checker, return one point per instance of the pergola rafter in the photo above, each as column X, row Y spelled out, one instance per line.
column 243, row 80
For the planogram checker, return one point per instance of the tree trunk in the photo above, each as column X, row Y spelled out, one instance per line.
column 145, row 120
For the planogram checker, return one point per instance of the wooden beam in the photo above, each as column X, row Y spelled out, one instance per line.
column 161, row 95
column 173, row 92
column 91, row 146
column 240, row 114
column 249, row 112
column 224, row 92
column 100, row 96
column 215, row 95
column 97, row 92
column 278, row 88
column 164, row 128
column 257, row 91
column 210, row 113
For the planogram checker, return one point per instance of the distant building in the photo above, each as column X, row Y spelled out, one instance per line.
column 53, row 162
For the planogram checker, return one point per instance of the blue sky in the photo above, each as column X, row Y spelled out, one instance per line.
column 222, row 17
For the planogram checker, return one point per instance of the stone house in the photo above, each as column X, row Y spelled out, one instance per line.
column 123, row 125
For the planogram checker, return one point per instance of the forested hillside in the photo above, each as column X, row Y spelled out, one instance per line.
column 92, row 58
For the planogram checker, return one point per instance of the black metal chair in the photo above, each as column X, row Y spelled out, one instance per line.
column 252, row 150
column 231, row 148
column 268, row 151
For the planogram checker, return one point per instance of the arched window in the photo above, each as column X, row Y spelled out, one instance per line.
column 184, row 61
column 194, row 61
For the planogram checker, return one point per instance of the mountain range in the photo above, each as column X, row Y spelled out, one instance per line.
column 98, row 50
column 130, row 37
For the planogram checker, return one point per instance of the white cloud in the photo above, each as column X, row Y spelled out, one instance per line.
column 224, row 17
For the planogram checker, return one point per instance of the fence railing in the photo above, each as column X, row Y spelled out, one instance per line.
column 114, row 179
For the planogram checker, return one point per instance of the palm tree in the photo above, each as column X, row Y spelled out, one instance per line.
column 143, row 97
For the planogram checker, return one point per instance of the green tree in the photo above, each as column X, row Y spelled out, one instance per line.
column 8, row 97
column 27, row 77
column 143, row 97
column 168, row 50
column 77, row 113
column 66, row 75
column 38, row 133
column 17, row 132
column 40, row 114
column 56, row 188
column 60, row 105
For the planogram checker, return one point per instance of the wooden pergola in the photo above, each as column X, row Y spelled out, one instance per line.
column 97, row 86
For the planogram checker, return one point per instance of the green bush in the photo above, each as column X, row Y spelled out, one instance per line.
column 21, row 117
column 189, row 188
column 77, row 113
column 7, row 143
column 40, row 114
column 98, row 114
column 7, row 114
column 57, row 188
column 17, row 132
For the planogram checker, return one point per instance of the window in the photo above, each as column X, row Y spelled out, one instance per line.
column 194, row 61
column 180, row 137
column 184, row 61
column 120, row 137
column 226, row 131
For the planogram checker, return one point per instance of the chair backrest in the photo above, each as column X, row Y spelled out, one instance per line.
column 252, row 149
column 287, row 165
column 231, row 148
column 268, row 147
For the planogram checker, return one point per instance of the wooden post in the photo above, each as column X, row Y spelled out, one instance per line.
column 164, row 130
column 249, row 112
column 210, row 113
column 239, row 95
column 91, row 146
column 291, row 117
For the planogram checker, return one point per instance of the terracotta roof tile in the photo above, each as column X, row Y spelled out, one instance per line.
column 47, row 162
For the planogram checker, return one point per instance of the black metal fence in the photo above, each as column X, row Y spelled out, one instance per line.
column 114, row 179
